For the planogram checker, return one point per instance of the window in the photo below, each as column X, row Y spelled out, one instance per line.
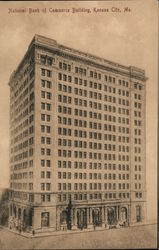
column 60, row 76
column 48, row 197
column 43, row 163
column 48, row 84
column 65, row 78
column 42, row 174
column 59, row 175
column 42, row 94
column 49, row 73
column 48, row 140
column 60, row 65
column 42, row 128
column 75, row 197
column 43, row 72
column 48, row 129
column 69, row 67
column 42, row 186
column 43, row 83
column 48, row 186
column 138, row 213
column 91, row 73
column 43, row 198
column 48, row 95
column 48, row 163
column 45, row 216
column 48, row 106
column 48, row 151
column 48, row 174
column 42, row 140
column 42, row 105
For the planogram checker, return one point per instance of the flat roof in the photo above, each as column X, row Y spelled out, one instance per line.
column 52, row 44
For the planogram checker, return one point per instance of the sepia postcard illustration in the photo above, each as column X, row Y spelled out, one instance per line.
column 78, row 124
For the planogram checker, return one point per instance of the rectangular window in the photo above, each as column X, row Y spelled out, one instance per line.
column 48, row 163
column 138, row 213
column 49, row 73
column 43, row 72
column 45, row 217
column 42, row 186
column 48, row 186
column 48, row 174
column 43, row 163
column 42, row 174
column 43, row 198
column 43, row 83
column 48, row 151
column 48, row 84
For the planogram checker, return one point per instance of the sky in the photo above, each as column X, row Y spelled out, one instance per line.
column 129, row 38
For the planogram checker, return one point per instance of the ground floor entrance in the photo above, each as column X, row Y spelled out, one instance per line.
column 70, row 217
column 93, row 216
column 97, row 217
column 20, row 218
column 82, row 218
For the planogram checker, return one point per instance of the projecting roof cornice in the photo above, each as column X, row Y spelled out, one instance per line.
column 86, row 58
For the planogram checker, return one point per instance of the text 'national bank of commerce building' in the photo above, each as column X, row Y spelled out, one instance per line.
column 77, row 147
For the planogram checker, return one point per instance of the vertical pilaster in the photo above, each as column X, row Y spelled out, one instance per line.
column 106, row 218
column 90, row 225
column 90, row 215
column 74, row 221
column 103, row 213
column 119, row 217
column 106, row 215
column 87, row 216
column 117, row 213
column 72, row 216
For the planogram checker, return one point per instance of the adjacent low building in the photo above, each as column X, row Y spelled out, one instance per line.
column 77, row 140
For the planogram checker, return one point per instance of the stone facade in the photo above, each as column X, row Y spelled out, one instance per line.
column 77, row 148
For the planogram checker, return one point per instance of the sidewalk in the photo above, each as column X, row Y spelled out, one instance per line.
column 58, row 233
column 55, row 233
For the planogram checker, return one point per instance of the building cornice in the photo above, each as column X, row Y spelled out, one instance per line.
column 89, row 59
column 86, row 58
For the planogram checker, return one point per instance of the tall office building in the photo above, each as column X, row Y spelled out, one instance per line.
column 77, row 147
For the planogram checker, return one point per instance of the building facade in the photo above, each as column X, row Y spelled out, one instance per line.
column 77, row 147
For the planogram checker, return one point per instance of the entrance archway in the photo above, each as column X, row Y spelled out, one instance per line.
column 30, row 219
column 25, row 219
column 82, row 218
column 123, row 214
column 112, row 220
column 15, row 212
column 96, row 217
column 65, row 219
column 19, row 213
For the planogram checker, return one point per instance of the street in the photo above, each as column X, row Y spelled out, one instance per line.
column 124, row 238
